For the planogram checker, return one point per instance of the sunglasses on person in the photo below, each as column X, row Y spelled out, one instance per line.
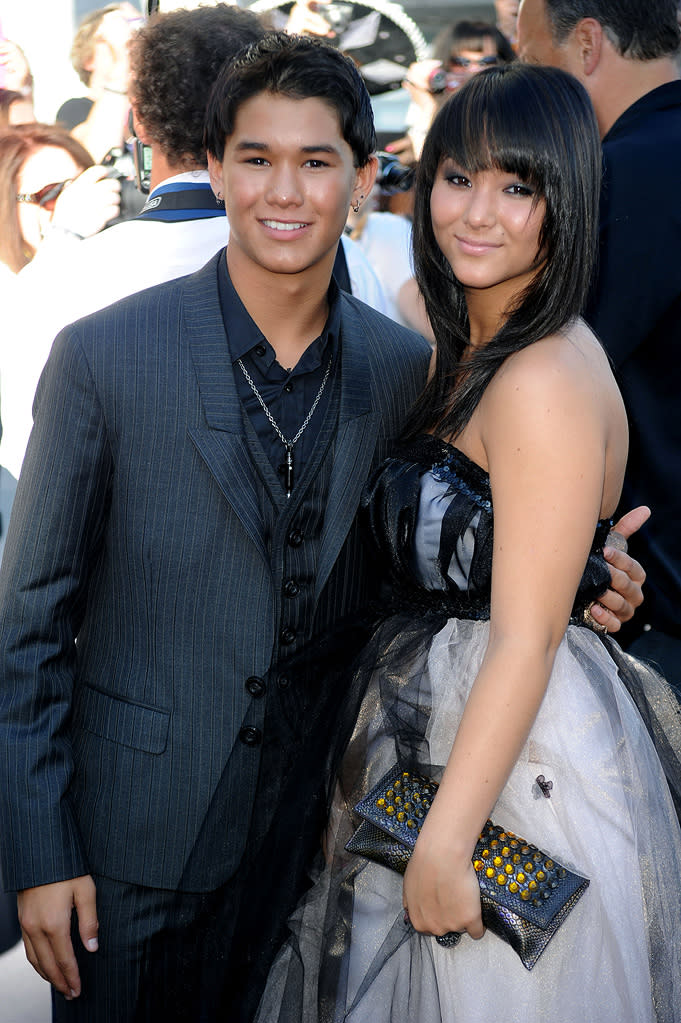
column 464, row 62
column 47, row 196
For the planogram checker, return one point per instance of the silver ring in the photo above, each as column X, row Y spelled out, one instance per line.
column 591, row 622
column 616, row 540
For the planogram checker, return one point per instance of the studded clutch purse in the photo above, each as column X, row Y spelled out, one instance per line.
column 525, row 894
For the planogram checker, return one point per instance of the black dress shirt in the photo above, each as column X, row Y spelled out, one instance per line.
column 289, row 393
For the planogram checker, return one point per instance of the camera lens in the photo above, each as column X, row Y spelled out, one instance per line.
column 393, row 176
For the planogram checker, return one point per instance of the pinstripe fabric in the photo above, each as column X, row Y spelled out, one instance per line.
column 138, row 527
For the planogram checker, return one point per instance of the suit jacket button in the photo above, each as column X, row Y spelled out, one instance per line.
column 295, row 538
column 255, row 686
column 291, row 588
column 284, row 681
column 250, row 736
column 288, row 636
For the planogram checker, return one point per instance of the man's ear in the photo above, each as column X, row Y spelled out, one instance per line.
column 588, row 37
column 140, row 130
column 365, row 178
column 215, row 173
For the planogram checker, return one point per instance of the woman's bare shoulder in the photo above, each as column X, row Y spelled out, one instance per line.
column 572, row 358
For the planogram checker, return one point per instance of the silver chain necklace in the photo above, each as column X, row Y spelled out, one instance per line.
column 288, row 444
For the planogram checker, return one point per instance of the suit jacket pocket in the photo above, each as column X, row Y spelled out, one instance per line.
column 136, row 725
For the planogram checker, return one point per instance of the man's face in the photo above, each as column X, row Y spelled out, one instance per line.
column 535, row 42
column 288, row 178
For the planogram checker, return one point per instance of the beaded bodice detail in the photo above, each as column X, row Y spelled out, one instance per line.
column 428, row 511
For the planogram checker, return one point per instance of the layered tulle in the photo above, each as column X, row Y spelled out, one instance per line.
column 350, row 956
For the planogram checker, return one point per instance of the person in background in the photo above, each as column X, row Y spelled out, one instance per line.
column 625, row 54
column 469, row 46
column 48, row 188
column 17, row 80
column 507, row 19
column 459, row 51
column 99, row 55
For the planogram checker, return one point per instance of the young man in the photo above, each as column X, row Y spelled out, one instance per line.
column 162, row 522
column 184, row 531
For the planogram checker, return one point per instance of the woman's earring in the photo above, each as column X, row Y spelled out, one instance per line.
column 220, row 199
column 356, row 204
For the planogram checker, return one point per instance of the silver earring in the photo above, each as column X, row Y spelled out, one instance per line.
column 356, row 204
column 220, row 199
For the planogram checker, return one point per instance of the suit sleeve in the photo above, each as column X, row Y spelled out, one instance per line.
column 54, row 533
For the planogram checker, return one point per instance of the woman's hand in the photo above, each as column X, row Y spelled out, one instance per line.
column 441, row 891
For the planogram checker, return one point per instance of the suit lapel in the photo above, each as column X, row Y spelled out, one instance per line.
column 358, row 424
column 219, row 437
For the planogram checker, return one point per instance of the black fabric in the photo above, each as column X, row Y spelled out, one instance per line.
column 635, row 308
column 288, row 393
column 192, row 969
column 390, row 505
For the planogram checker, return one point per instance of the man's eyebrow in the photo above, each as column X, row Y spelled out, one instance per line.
column 263, row 147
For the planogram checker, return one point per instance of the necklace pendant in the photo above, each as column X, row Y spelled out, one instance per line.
column 288, row 478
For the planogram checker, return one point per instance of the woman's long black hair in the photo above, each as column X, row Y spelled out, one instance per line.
column 536, row 123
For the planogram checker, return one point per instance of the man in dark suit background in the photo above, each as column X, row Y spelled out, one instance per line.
column 625, row 53
column 184, row 528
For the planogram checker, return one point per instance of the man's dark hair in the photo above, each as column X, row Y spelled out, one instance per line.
column 640, row 29
column 174, row 61
column 300, row 68
column 537, row 123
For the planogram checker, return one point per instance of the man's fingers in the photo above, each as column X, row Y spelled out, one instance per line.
column 84, row 898
column 32, row 957
column 632, row 521
column 56, row 961
column 45, row 914
column 603, row 616
column 628, row 573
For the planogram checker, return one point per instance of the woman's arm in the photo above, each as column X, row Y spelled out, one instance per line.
column 543, row 430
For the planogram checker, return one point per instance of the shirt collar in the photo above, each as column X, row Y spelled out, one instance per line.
column 194, row 177
column 667, row 95
column 243, row 334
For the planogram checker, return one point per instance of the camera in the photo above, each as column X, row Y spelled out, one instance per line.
column 121, row 166
column 393, row 176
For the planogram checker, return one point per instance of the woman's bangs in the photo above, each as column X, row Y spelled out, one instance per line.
column 477, row 142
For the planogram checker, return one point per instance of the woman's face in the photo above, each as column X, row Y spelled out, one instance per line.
column 487, row 225
column 47, row 165
column 464, row 63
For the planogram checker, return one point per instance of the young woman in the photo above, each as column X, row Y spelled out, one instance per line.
column 490, row 523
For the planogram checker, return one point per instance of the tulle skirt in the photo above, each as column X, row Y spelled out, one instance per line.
column 609, row 816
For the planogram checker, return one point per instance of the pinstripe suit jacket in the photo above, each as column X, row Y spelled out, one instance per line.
column 138, row 590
